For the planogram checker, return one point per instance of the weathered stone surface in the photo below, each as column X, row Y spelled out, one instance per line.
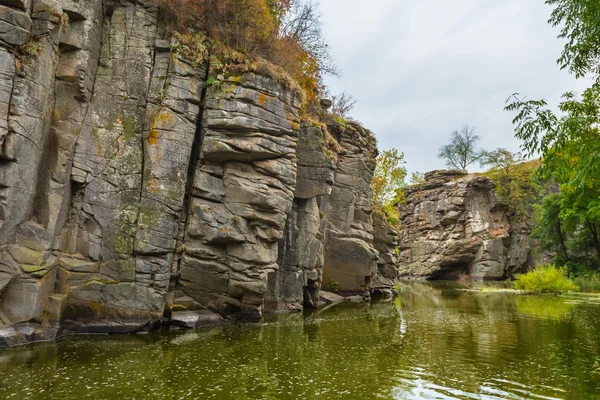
column 316, row 168
column 194, row 319
column 386, row 242
column 456, row 224
column 132, row 194
column 15, row 26
column 243, row 191
column 329, row 297
column 350, row 258
column 298, row 280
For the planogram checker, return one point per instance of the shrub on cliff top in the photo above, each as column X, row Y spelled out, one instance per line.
column 284, row 32
column 545, row 279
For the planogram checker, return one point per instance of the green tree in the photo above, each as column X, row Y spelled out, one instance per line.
column 462, row 150
column 570, row 146
column 388, row 182
column 515, row 180
column 580, row 26
column 417, row 178
column 569, row 142
column 550, row 227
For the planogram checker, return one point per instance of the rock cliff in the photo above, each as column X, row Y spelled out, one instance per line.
column 139, row 188
column 454, row 224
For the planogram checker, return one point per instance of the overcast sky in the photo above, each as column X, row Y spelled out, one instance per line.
column 420, row 69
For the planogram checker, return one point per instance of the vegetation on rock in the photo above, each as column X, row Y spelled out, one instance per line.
column 286, row 33
column 515, row 180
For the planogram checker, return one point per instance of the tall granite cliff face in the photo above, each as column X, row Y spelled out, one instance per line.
column 133, row 193
column 455, row 224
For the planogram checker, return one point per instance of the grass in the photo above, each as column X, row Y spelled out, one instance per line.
column 588, row 282
column 546, row 279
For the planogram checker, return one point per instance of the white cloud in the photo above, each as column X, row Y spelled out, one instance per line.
column 421, row 69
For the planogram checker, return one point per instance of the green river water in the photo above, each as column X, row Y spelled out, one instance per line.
column 433, row 342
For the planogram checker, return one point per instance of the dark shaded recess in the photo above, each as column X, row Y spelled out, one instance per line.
column 450, row 272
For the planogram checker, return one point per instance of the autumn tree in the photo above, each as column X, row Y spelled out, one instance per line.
column 462, row 150
column 388, row 182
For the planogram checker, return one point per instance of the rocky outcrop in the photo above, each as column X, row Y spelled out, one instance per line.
column 350, row 258
column 328, row 241
column 385, row 241
column 301, row 251
column 454, row 224
column 139, row 188
column 243, row 186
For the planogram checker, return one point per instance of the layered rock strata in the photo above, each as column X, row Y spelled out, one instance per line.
column 454, row 224
column 350, row 258
column 139, row 188
column 329, row 238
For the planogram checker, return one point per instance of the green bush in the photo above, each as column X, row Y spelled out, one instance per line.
column 588, row 282
column 545, row 279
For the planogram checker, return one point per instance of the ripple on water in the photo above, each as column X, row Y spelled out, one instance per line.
column 430, row 344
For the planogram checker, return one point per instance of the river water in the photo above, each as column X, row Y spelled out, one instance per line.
column 433, row 342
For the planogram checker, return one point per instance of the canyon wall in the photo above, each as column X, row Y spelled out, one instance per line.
column 139, row 188
column 455, row 224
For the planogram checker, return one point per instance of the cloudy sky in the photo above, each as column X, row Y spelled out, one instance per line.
column 420, row 69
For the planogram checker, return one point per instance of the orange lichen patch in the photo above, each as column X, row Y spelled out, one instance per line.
column 161, row 118
column 499, row 232
column 295, row 126
column 153, row 185
column 262, row 99
column 153, row 137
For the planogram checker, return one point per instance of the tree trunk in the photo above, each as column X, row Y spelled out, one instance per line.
column 561, row 239
column 595, row 238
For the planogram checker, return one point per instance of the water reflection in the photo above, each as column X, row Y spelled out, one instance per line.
column 433, row 342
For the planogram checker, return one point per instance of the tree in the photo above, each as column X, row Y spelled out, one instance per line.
column 550, row 227
column 387, row 183
column 569, row 142
column 462, row 149
column 514, row 180
column 580, row 26
column 342, row 104
column 286, row 33
column 417, row 178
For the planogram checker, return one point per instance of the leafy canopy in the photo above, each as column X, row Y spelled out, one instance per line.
column 387, row 183
column 580, row 27
column 569, row 141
